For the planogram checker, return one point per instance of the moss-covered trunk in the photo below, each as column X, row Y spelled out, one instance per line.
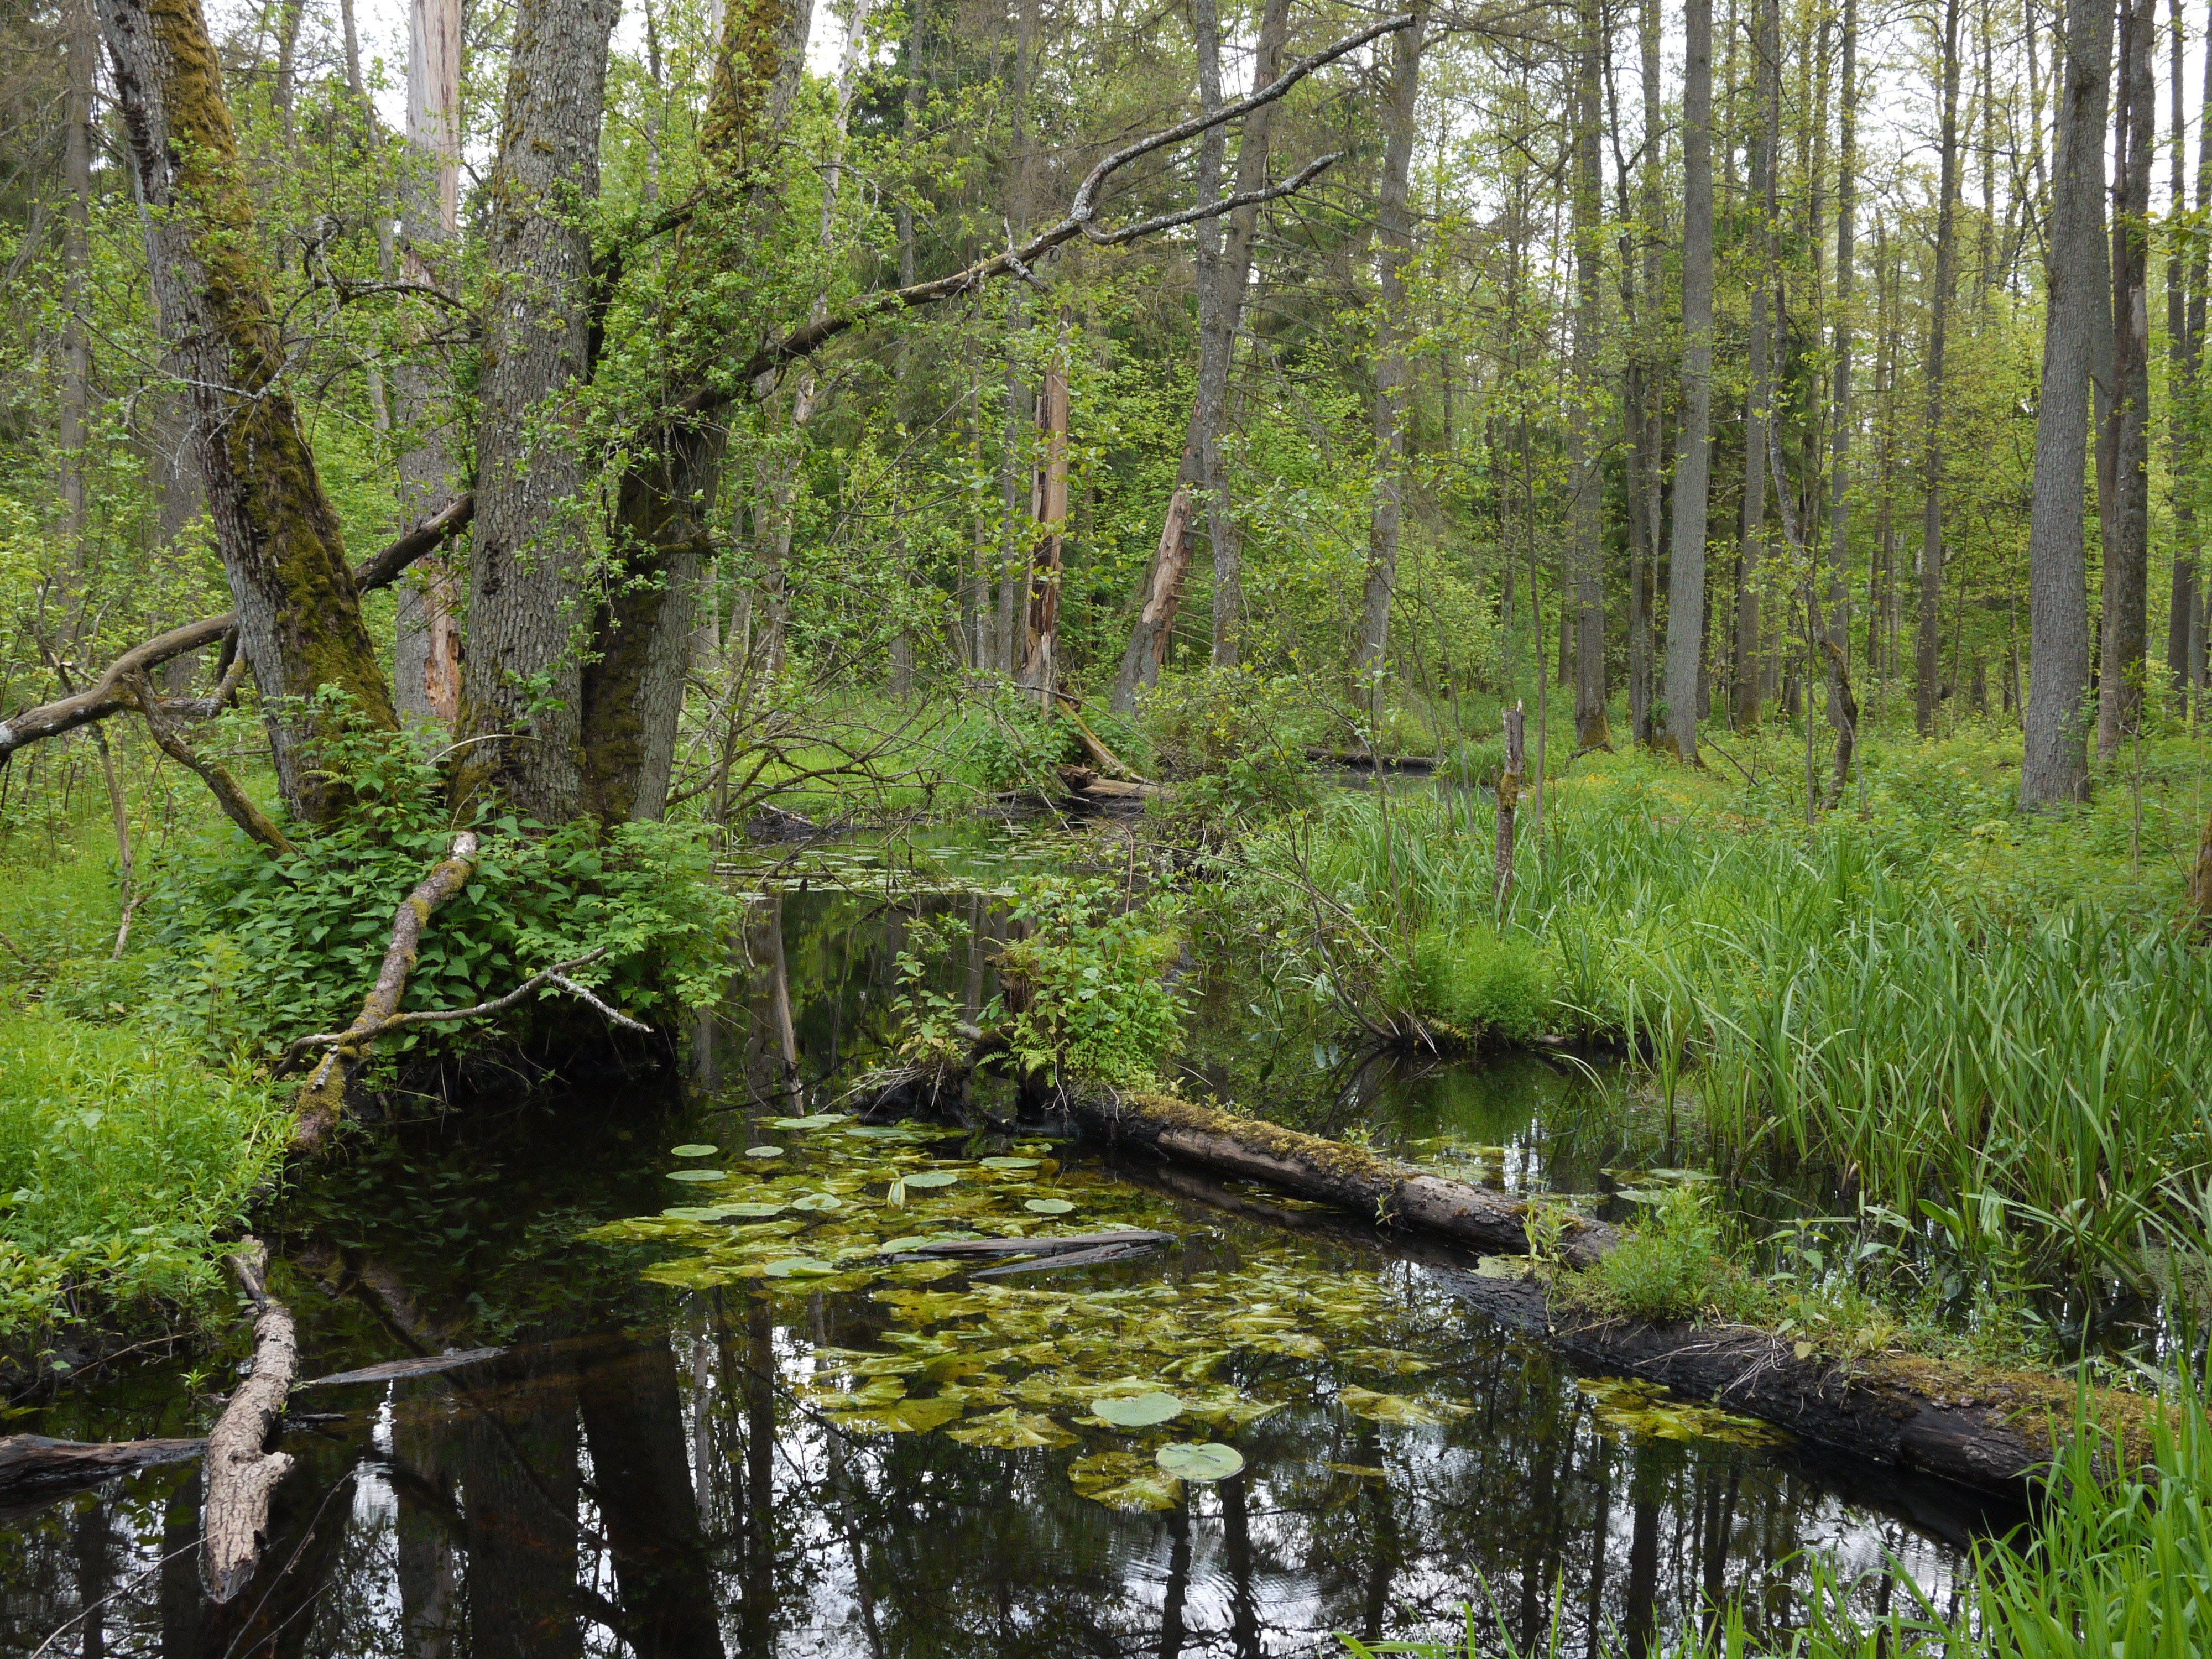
column 299, row 616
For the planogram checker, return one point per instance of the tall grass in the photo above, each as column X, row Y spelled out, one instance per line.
column 1850, row 1003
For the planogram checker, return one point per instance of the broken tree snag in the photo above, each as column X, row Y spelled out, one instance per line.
column 242, row 1470
column 236, row 805
column 1332, row 1172
column 1508, row 801
column 322, row 1100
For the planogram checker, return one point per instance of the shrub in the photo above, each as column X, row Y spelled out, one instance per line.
column 1231, row 739
column 1016, row 743
column 1670, row 1267
column 1084, row 997
column 1479, row 982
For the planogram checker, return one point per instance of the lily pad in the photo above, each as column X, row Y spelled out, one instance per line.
column 927, row 1178
column 1203, row 1461
column 817, row 1121
column 1137, row 1411
column 695, row 1174
column 900, row 1246
column 749, row 1211
column 1010, row 1162
column 813, row 1203
column 1011, row 1429
column 693, row 1212
column 799, row 1266
column 1394, row 1407
column 903, row 1417
column 764, row 1152
column 1049, row 1207
column 1124, row 1481
column 693, row 1149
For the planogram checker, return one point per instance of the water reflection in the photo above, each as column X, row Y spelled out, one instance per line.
column 642, row 1473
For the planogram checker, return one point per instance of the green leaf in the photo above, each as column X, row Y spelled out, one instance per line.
column 693, row 1149
column 1203, row 1461
column 764, row 1152
column 1010, row 1162
column 750, row 1210
column 1048, row 1206
column 1137, row 1411
column 1394, row 1408
column 817, row 1202
column 1012, row 1430
column 799, row 1266
column 931, row 1178
column 697, row 1175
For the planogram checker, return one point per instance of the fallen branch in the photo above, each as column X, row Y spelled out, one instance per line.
column 323, row 1098
column 134, row 691
column 556, row 974
column 242, row 1470
column 34, row 1469
column 103, row 698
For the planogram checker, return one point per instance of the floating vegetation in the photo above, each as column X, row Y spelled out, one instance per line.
column 1130, row 1365
column 693, row 1149
column 1626, row 1406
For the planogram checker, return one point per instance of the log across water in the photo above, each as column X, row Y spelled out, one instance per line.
column 1989, row 1430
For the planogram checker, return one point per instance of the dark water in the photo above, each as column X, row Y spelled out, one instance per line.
column 650, row 1470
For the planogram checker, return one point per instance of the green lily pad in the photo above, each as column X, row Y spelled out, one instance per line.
column 695, row 1174
column 817, row 1121
column 814, row 1202
column 1010, row 1162
column 900, row 1246
column 693, row 1212
column 799, row 1266
column 1394, row 1407
column 1204, row 1461
column 1137, row 1411
column 749, row 1211
column 1012, row 1430
column 931, row 1178
column 1124, row 1481
column 764, row 1152
column 1048, row 1206
column 902, row 1417
column 693, row 1149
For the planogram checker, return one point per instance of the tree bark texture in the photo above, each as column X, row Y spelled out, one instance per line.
column 1508, row 801
column 1760, row 410
column 1686, row 582
column 1392, row 368
column 1929, row 641
column 2184, row 350
column 1843, row 708
column 299, row 617
column 1040, row 661
column 1649, row 413
column 426, row 669
column 2054, row 764
column 1585, row 476
column 242, row 1468
column 522, row 683
column 2127, row 543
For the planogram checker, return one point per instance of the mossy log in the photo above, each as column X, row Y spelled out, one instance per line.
column 1350, row 1177
column 1987, row 1428
column 242, row 1468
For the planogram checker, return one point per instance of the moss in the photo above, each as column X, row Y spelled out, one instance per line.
column 1335, row 1159
column 2040, row 1407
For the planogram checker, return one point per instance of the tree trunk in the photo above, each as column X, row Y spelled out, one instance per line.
column 1040, row 662
column 1928, row 661
column 1842, row 710
column 2185, row 351
column 1686, row 584
column 84, row 52
column 299, row 619
column 2127, row 546
column 2054, row 765
column 522, row 682
column 1586, row 479
column 1211, row 413
column 1648, row 412
column 426, row 679
column 1393, row 374
column 1760, row 410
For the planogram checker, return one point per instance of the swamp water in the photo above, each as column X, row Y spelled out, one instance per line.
column 737, row 1414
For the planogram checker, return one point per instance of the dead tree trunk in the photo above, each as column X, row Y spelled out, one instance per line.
column 242, row 1469
column 1508, row 802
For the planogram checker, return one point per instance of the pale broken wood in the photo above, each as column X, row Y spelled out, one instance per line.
column 393, row 1369
column 243, row 1470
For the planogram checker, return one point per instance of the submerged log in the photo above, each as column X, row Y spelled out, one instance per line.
column 1056, row 1244
column 242, row 1469
column 1045, row 1264
column 34, row 1469
column 1332, row 1172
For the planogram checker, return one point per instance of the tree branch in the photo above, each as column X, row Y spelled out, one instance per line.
column 103, row 696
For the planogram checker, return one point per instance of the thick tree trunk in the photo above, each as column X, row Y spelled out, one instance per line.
column 1585, row 475
column 427, row 677
column 1928, row 658
column 1040, row 661
column 522, row 682
column 1843, row 708
column 1649, row 414
column 2184, row 350
column 1760, row 410
column 83, row 51
column 1686, row 584
column 1393, row 372
column 2054, row 765
column 1211, row 412
column 298, row 620
column 2127, row 546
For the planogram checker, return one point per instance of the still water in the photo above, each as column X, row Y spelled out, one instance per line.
column 740, row 1430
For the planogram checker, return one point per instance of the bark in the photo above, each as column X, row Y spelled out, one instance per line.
column 299, row 619
column 1586, row 479
column 1508, row 801
column 1393, row 370
column 427, row 677
column 1648, row 415
column 1162, row 596
column 1759, row 414
column 35, row 1470
column 2054, row 764
column 1039, row 671
column 241, row 1468
column 83, row 50
column 2127, row 544
column 324, row 1097
column 103, row 696
column 522, row 682
column 2184, row 350
column 1843, row 708
column 1210, row 414
column 1928, row 656
column 1686, row 585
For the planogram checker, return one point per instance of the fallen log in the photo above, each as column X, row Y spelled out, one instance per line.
column 1044, row 1264
column 1365, row 760
column 34, row 1469
column 242, row 1468
column 392, row 1370
column 1056, row 1244
column 1332, row 1172
column 104, row 695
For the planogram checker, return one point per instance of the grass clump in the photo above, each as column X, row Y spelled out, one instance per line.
column 122, row 1159
column 1479, row 982
column 1673, row 1267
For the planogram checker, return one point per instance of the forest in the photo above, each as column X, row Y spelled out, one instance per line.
column 1352, row 831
